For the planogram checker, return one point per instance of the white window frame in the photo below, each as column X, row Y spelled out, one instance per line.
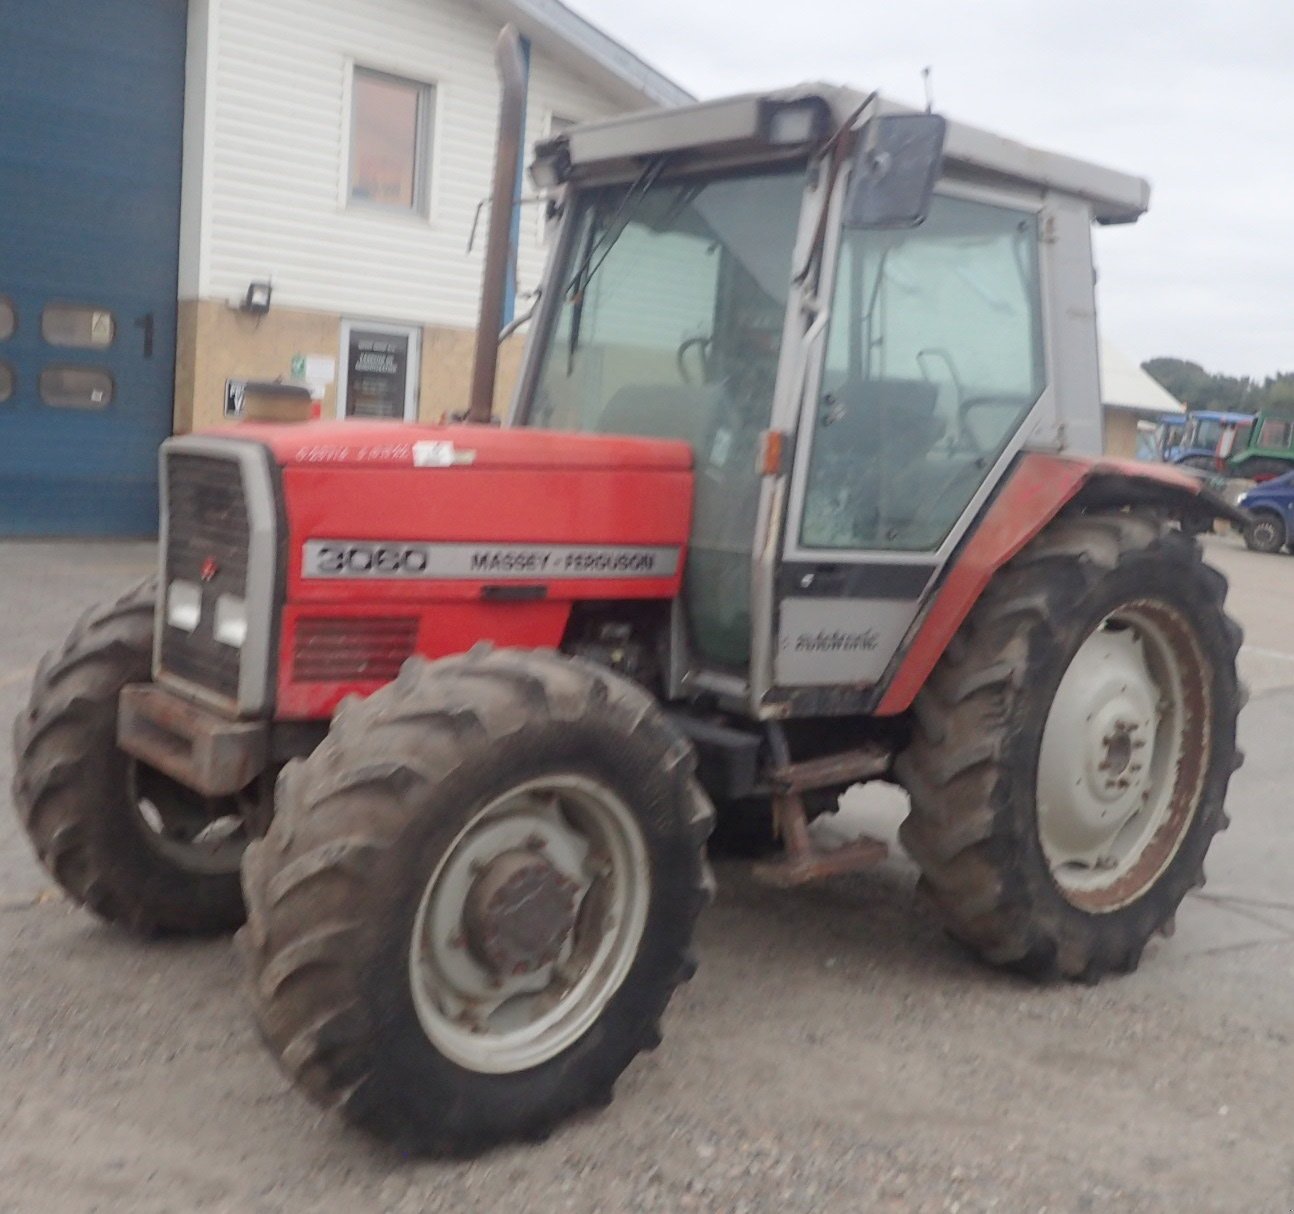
column 423, row 148
column 412, row 371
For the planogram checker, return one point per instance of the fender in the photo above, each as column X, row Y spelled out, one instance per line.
column 1034, row 493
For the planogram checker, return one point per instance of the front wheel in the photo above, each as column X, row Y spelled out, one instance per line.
column 133, row 845
column 476, row 898
column 1265, row 533
column 1073, row 747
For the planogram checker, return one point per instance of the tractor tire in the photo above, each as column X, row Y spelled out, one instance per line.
column 476, row 899
column 1063, row 797
column 1265, row 532
column 86, row 805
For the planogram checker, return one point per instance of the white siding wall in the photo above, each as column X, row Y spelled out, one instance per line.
column 279, row 126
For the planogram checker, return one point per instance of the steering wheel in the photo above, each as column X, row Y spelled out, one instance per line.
column 702, row 345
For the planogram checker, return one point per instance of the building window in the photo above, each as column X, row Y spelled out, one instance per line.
column 390, row 141
column 76, row 387
column 77, row 325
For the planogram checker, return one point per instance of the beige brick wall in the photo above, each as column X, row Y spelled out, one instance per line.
column 216, row 342
column 1120, row 433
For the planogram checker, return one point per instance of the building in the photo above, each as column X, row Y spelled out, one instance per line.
column 201, row 194
column 1129, row 396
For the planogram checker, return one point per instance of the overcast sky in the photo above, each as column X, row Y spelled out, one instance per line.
column 1196, row 95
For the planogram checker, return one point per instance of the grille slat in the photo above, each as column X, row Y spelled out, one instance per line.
column 208, row 531
column 352, row 650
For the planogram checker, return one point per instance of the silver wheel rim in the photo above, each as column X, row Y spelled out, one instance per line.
column 529, row 924
column 1124, row 754
column 200, row 835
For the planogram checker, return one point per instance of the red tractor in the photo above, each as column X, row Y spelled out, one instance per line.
column 800, row 488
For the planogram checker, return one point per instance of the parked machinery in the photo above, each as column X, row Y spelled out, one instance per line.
column 799, row 489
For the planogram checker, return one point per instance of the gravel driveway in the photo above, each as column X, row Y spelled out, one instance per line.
column 834, row 1053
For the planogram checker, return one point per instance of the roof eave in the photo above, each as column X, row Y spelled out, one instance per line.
column 581, row 46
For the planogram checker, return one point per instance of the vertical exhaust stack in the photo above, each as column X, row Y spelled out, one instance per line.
column 510, row 61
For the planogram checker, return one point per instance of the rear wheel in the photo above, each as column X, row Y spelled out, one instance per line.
column 476, row 898
column 1073, row 748
column 121, row 838
column 1265, row 533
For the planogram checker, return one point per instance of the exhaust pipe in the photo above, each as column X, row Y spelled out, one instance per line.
column 511, row 64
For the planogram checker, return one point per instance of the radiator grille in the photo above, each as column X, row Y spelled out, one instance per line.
column 352, row 650
column 206, row 543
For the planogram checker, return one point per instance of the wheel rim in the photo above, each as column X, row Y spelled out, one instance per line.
column 198, row 834
column 529, row 924
column 1266, row 534
column 1124, row 754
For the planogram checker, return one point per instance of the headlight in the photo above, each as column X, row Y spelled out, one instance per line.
column 183, row 605
column 231, row 621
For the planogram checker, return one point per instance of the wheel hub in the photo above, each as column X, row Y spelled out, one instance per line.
column 1097, row 751
column 1111, row 759
column 529, row 923
column 518, row 913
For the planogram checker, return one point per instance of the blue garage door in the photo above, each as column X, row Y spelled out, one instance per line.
column 91, row 109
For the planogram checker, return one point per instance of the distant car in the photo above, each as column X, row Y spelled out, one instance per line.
column 1271, row 514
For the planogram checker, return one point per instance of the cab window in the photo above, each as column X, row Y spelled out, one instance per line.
column 934, row 357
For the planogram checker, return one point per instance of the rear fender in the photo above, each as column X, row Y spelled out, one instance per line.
column 1036, row 490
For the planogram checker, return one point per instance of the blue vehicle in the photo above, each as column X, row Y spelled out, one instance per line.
column 1271, row 514
column 1210, row 438
column 1168, row 431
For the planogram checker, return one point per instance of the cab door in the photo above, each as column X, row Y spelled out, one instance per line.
column 934, row 363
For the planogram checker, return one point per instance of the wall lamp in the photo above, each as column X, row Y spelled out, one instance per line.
column 257, row 300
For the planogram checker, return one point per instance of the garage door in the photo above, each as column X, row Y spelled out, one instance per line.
column 91, row 95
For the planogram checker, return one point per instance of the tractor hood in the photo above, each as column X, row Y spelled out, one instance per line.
column 364, row 543
column 377, row 444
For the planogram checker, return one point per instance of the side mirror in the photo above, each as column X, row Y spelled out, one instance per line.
column 896, row 163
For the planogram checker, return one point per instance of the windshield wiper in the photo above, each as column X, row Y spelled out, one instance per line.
column 602, row 244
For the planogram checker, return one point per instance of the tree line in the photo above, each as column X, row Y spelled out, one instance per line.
column 1197, row 388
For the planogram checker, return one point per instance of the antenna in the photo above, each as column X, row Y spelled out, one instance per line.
column 930, row 93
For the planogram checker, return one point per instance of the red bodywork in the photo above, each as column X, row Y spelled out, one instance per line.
column 358, row 481
column 361, row 481
column 1036, row 490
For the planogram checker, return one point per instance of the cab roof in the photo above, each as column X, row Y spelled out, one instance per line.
column 749, row 122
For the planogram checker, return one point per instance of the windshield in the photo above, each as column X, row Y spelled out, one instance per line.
column 1203, row 432
column 669, row 325
column 673, row 296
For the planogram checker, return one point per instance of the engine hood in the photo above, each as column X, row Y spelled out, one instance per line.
column 377, row 444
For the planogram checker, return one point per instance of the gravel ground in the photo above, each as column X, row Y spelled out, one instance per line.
column 834, row 1053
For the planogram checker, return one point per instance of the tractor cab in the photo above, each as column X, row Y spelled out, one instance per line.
column 1211, row 438
column 856, row 317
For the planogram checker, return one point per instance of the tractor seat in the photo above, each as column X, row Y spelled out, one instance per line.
column 890, row 419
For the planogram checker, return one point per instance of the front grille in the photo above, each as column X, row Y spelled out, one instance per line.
column 352, row 650
column 207, row 540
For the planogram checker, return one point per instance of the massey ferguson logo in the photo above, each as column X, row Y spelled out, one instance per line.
column 394, row 559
